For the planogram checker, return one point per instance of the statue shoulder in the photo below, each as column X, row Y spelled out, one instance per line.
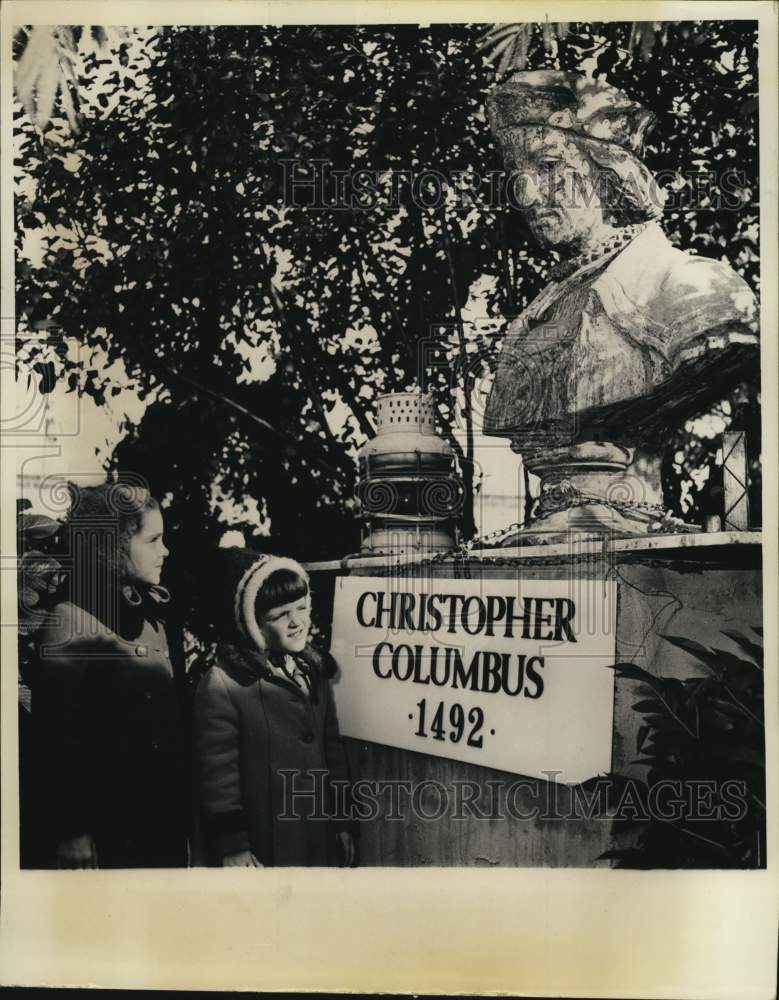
column 706, row 292
column 676, row 290
column 688, row 271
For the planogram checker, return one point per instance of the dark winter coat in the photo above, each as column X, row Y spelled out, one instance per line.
column 112, row 747
column 259, row 740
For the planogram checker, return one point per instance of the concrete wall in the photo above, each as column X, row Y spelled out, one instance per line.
column 689, row 593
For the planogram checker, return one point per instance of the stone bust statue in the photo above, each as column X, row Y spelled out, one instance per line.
column 631, row 335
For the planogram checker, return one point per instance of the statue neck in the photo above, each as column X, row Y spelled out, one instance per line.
column 594, row 239
column 610, row 240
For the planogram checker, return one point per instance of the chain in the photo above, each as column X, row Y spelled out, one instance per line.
column 662, row 519
column 603, row 249
column 483, row 541
column 411, row 518
column 663, row 522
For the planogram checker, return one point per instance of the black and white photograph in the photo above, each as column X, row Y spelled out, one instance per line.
column 390, row 448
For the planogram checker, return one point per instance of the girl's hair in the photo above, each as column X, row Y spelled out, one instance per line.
column 283, row 586
column 100, row 524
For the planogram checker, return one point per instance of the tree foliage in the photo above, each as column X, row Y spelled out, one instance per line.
column 261, row 331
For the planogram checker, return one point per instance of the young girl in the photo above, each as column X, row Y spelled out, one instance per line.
column 264, row 721
column 106, row 706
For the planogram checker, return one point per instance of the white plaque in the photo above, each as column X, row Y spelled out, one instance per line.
column 513, row 675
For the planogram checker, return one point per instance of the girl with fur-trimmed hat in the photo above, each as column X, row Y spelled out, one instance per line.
column 271, row 766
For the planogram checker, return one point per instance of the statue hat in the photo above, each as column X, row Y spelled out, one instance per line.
column 569, row 101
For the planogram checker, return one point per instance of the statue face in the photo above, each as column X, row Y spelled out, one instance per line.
column 556, row 184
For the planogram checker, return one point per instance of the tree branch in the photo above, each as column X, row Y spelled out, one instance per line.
column 312, row 455
column 321, row 362
column 378, row 271
column 467, row 405
column 376, row 319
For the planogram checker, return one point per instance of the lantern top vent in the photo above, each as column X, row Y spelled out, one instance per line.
column 405, row 411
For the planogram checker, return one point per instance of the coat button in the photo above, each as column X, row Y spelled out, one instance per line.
column 307, row 738
column 140, row 651
column 147, row 695
column 155, row 746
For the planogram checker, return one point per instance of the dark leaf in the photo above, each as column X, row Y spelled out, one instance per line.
column 648, row 705
column 48, row 377
column 689, row 646
column 752, row 648
column 37, row 526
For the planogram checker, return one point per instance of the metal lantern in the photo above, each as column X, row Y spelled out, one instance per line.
column 409, row 489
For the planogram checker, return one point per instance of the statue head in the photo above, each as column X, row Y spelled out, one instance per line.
column 571, row 146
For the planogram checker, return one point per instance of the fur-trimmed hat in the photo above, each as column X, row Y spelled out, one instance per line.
column 242, row 572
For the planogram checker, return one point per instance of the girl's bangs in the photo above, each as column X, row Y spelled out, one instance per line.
column 283, row 586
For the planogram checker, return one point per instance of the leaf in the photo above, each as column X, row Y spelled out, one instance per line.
column 665, row 722
column 607, row 60
column 647, row 705
column 37, row 525
column 48, row 377
column 752, row 648
column 37, row 568
column 46, row 68
column 501, row 47
column 46, row 87
column 500, row 28
column 748, row 107
column 69, row 107
column 690, row 646
column 644, row 761
column 40, row 49
column 499, row 33
column 716, row 660
column 524, row 46
column 631, row 671
column 507, row 59
column 735, row 664
column 719, row 720
column 726, row 707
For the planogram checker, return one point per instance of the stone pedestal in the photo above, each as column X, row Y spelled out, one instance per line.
column 693, row 586
column 595, row 487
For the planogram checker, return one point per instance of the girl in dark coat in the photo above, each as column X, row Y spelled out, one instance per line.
column 271, row 767
column 106, row 702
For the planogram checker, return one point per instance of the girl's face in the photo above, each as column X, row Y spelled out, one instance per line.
column 147, row 550
column 286, row 627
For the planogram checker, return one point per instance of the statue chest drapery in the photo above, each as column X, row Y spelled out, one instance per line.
column 615, row 334
column 561, row 360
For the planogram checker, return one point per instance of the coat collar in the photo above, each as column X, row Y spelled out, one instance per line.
column 246, row 665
